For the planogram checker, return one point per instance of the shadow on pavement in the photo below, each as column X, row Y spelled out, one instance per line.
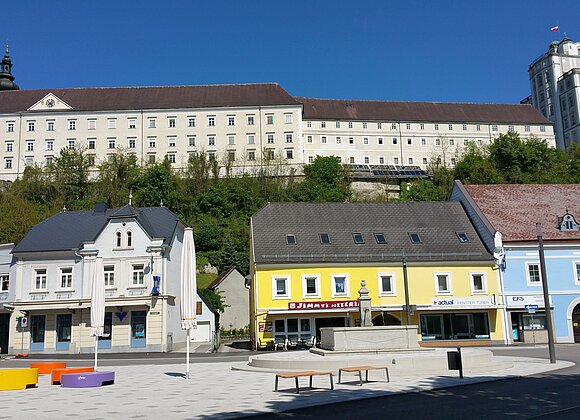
column 550, row 396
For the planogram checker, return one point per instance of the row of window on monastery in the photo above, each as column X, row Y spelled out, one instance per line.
column 191, row 121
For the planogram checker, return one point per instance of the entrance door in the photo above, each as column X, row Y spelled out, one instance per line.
column 37, row 326
column 63, row 331
column 576, row 323
column 138, row 328
column 4, row 328
column 105, row 339
column 327, row 322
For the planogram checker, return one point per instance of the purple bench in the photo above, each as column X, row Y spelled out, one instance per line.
column 87, row 380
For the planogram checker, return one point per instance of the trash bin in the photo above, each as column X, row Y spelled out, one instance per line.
column 453, row 360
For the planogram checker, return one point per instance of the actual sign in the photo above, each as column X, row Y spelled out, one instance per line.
column 462, row 302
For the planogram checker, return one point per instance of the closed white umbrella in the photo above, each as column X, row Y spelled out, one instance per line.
column 188, row 289
column 98, row 305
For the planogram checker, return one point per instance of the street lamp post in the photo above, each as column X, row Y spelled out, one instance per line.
column 544, row 279
column 406, row 281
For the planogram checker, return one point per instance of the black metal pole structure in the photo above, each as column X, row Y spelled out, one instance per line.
column 551, row 347
column 406, row 281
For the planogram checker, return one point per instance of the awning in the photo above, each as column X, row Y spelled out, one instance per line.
column 50, row 306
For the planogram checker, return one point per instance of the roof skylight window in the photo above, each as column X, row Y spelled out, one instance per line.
column 415, row 238
column 325, row 239
column 358, row 238
column 290, row 239
column 380, row 238
column 463, row 238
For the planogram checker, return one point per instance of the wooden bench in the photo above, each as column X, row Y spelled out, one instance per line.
column 296, row 375
column 360, row 369
column 87, row 380
column 11, row 379
column 56, row 373
column 45, row 368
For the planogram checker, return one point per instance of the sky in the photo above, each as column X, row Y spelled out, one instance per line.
column 430, row 50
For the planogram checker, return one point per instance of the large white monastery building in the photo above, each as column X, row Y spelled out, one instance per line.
column 243, row 126
column 555, row 87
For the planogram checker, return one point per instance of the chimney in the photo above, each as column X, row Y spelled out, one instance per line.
column 100, row 207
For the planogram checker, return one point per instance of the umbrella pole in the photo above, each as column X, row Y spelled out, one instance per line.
column 96, row 350
column 187, row 356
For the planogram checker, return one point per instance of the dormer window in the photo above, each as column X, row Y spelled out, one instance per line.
column 325, row 239
column 358, row 238
column 415, row 238
column 568, row 223
column 290, row 239
column 463, row 238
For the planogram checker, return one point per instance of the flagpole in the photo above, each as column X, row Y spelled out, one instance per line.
column 187, row 355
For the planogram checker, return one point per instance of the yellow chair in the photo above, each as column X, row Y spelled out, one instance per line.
column 11, row 379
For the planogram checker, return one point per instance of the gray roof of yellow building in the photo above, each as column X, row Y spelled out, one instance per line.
column 437, row 224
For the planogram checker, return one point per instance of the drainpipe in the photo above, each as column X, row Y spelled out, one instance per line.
column 76, row 251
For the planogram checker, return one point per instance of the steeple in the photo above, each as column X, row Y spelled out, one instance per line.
column 6, row 78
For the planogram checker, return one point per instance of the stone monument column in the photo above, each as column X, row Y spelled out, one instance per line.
column 364, row 306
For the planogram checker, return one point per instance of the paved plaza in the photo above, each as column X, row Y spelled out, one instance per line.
column 216, row 391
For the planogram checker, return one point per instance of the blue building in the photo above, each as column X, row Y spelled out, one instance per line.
column 6, row 294
column 505, row 216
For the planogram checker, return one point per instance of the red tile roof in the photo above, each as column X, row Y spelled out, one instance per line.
column 420, row 111
column 152, row 97
column 514, row 210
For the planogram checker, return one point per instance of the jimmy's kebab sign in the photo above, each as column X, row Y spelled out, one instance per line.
column 330, row 304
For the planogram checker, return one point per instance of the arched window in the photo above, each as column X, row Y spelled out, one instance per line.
column 129, row 239
column 118, row 234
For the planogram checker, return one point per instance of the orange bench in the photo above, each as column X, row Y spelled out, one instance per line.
column 296, row 375
column 45, row 368
column 360, row 369
column 56, row 373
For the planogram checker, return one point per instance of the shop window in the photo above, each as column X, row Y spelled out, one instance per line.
column 442, row 283
column 478, row 283
column 340, row 285
column 534, row 321
column 464, row 326
column 386, row 284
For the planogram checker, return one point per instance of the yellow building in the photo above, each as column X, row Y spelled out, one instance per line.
column 309, row 259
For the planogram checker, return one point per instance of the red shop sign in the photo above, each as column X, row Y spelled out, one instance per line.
column 329, row 304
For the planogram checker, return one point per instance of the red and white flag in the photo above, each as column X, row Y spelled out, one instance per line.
column 554, row 28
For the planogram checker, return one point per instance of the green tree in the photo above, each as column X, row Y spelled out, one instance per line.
column 18, row 215
column 117, row 176
column 324, row 180
column 157, row 184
